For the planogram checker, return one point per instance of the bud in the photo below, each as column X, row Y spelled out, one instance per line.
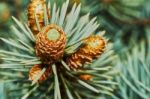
column 50, row 44
column 36, row 69
column 36, row 7
column 92, row 48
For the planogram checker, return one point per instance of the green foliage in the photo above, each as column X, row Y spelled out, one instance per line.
column 121, row 18
column 135, row 77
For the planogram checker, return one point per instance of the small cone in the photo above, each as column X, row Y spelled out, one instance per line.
column 50, row 44
column 35, row 70
column 36, row 7
column 93, row 47
column 86, row 77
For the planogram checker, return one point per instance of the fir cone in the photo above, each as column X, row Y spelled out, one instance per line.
column 50, row 44
column 35, row 70
column 92, row 48
column 36, row 7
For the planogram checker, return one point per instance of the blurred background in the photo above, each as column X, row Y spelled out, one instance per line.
column 127, row 25
column 10, row 8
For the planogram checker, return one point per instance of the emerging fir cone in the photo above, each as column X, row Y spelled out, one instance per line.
column 92, row 48
column 36, row 7
column 50, row 44
column 36, row 69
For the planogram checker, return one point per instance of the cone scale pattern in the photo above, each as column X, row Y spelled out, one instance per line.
column 92, row 48
column 36, row 7
column 36, row 69
column 50, row 44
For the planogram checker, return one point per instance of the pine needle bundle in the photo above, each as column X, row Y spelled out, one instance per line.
column 42, row 58
column 134, row 82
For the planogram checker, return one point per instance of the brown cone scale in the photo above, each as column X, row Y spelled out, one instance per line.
column 93, row 47
column 36, row 69
column 36, row 7
column 50, row 44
